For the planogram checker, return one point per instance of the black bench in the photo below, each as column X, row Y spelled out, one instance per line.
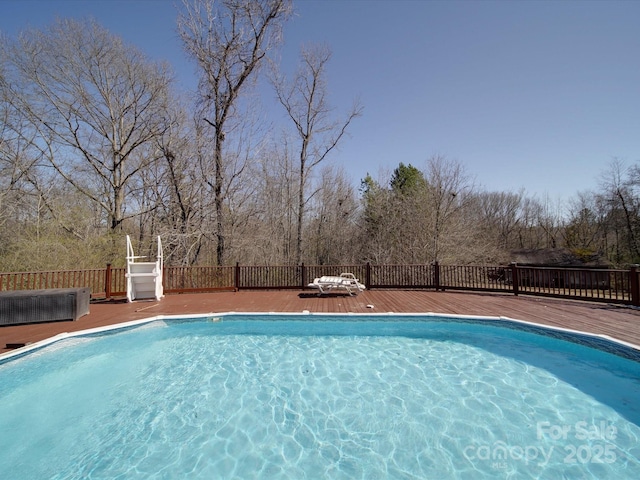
column 34, row 306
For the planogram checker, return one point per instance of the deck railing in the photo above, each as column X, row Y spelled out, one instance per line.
column 608, row 285
column 198, row 279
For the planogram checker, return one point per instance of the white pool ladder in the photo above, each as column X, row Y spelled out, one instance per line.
column 144, row 279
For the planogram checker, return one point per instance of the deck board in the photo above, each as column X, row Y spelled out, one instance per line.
column 622, row 323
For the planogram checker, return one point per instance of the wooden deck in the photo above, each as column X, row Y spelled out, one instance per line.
column 622, row 323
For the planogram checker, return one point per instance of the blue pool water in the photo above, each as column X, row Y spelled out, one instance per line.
column 319, row 397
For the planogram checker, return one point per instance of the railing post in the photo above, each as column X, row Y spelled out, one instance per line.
column 303, row 276
column 367, row 276
column 634, row 285
column 514, row 278
column 436, row 275
column 236, row 280
column 165, row 283
column 107, row 282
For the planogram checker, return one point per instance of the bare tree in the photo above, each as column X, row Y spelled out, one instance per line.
column 382, row 237
column 273, row 232
column 305, row 102
column 448, row 192
column 550, row 220
column 333, row 227
column 17, row 159
column 229, row 41
column 96, row 104
column 500, row 216
column 584, row 230
column 620, row 189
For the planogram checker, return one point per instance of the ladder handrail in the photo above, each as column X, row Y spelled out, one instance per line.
column 156, row 274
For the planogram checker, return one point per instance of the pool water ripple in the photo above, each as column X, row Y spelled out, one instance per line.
column 181, row 402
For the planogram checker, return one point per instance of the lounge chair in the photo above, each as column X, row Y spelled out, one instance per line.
column 346, row 282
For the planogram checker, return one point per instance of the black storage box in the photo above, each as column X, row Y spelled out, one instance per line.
column 34, row 306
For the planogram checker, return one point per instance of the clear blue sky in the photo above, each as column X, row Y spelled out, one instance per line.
column 539, row 95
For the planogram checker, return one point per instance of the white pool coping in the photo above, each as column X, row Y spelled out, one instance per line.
column 216, row 316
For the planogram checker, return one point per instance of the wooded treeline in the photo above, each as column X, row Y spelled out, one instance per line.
column 97, row 142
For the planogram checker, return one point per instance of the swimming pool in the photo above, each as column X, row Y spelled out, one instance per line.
column 322, row 396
